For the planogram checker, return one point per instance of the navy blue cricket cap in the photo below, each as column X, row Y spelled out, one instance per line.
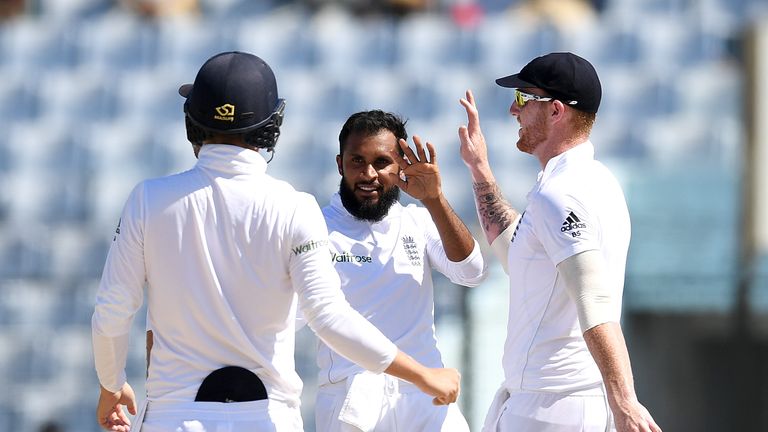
column 564, row 76
column 234, row 92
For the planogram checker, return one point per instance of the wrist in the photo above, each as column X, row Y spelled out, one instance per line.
column 434, row 201
column 482, row 173
column 620, row 398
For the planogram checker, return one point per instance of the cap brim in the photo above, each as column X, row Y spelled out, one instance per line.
column 185, row 89
column 513, row 81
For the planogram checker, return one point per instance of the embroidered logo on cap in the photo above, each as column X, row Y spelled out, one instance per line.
column 225, row 112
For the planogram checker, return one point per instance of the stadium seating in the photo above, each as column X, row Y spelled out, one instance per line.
column 89, row 107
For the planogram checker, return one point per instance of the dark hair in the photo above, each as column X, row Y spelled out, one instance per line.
column 370, row 123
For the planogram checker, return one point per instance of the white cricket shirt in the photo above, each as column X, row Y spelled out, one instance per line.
column 386, row 275
column 576, row 205
column 224, row 249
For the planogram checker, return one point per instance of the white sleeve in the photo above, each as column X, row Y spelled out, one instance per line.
column 468, row 272
column 564, row 225
column 322, row 302
column 587, row 283
column 500, row 245
column 120, row 295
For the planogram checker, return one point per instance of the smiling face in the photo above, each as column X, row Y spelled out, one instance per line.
column 534, row 129
column 365, row 165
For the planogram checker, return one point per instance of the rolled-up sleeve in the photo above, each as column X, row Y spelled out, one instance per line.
column 468, row 272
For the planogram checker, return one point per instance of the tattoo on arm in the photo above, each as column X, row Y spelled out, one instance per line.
column 494, row 212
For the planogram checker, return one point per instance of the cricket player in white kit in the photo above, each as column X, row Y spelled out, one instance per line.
column 384, row 253
column 566, row 366
column 227, row 252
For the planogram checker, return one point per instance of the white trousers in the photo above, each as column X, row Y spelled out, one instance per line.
column 386, row 404
column 549, row 412
column 256, row 416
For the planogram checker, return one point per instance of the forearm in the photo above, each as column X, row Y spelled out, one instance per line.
column 493, row 211
column 110, row 355
column 336, row 323
column 456, row 238
column 406, row 368
column 607, row 346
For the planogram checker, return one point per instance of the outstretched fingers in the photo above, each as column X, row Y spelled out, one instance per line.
column 420, row 149
column 471, row 107
column 432, row 153
column 401, row 159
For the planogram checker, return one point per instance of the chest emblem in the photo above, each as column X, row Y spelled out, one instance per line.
column 411, row 250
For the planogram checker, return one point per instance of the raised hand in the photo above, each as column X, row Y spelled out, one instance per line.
column 474, row 152
column 422, row 175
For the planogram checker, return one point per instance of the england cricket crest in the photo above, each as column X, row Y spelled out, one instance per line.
column 411, row 250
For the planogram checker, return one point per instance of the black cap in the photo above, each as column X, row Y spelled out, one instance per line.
column 564, row 76
column 233, row 92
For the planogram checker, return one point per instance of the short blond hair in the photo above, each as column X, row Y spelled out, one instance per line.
column 582, row 122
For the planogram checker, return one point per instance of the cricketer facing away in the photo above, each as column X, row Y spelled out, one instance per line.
column 566, row 366
column 227, row 253
column 384, row 253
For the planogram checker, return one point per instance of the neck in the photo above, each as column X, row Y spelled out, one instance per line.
column 556, row 146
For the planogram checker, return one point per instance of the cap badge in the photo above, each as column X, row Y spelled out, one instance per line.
column 225, row 112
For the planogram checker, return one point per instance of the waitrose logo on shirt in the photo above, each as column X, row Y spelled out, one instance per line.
column 309, row 246
column 348, row 257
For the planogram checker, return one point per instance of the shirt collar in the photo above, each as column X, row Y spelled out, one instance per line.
column 231, row 159
column 581, row 152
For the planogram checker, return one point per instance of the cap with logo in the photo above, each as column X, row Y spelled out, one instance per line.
column 234, row 92
column 564, row 76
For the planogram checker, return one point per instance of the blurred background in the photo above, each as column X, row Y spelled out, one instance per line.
column 89, row 107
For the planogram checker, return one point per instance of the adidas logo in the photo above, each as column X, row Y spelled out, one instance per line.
column 571, row 223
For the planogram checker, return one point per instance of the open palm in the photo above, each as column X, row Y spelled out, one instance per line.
column 422, row 175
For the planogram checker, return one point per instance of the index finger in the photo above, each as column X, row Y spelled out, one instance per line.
column 401, row 162
column 471, row 108
column 408, row 153
column 420, row 149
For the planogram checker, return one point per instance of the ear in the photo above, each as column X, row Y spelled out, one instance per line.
column 339, row 165
column 557, row 111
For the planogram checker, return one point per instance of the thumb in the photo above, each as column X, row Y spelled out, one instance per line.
column 395, row 179
column 131, row 403
column 132, row 406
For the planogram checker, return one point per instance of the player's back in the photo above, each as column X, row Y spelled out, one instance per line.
column 217, row 249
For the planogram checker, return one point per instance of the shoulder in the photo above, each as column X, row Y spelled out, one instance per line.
column 414, row 210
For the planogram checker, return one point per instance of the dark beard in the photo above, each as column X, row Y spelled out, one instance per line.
column 366, row 210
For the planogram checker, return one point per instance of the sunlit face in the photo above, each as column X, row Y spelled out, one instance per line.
column 532, row 117
column 365, row 166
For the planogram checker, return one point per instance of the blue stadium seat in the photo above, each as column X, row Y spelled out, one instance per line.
column 117, row 42
column 29, row 44
column 151, row 96
column 425, row 41
column 78, row 95
column 279, row 38
column 185, row 43
column 344, row 44
column 19, row 96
